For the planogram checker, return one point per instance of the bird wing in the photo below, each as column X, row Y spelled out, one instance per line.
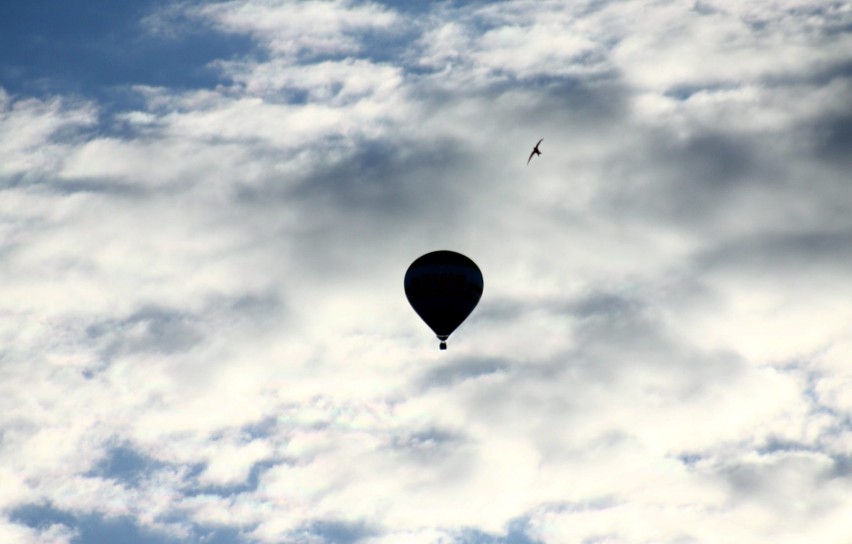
column 534, row 150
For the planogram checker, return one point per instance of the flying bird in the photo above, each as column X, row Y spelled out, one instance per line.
column 535, row 151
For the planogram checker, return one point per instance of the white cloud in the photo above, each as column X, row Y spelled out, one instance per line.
column 662, row 45
column 52, row 534
column 30, row 132
column 302, row 28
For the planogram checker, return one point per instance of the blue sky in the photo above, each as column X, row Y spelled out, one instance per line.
column 101, row 47
column 207, row 210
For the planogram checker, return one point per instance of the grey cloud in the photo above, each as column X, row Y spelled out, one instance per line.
column 618, row 350
column 591, row 505
column 690, row 182
column 686, row 91
column 829, row 18
column 819, row 76
column 427, row 438
column 842, row 466
column 833, row 140
column 466, row 369
column 150, row 329
column 714, row 159
column 782, row 480
column 590, row 103
column 594, row 305
column 159, row 329
column 615, row 335
column 501, row 309
column 605, row 304
column 622, row 356
column 376, row 176
column 364, row 209
column 69, row 186
column 110, row 187
column 695, row 181
column 774, row 253
column 605, row 318
column 428, row 448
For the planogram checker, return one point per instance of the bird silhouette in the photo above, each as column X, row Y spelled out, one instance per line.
column 535, row 151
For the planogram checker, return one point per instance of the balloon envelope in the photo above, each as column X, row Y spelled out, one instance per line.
column 443, row 287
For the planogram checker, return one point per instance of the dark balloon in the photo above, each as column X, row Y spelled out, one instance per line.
column 443, row 287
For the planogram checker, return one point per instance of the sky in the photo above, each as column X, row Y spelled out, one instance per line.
column 207, row 210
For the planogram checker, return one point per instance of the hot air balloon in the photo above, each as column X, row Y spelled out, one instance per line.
column 443, row 287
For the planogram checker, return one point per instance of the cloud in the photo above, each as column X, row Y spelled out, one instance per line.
column 332, row 27
column 205, row 337
column 35, row 134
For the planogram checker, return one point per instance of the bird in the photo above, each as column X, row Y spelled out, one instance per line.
column 535, row 151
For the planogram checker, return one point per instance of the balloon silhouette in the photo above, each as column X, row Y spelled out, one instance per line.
column 443, row 287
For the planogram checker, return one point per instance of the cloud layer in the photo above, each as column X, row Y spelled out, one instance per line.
column 205, row 337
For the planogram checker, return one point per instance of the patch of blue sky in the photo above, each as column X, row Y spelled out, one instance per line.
column 96, row 529
column 685, row 92
column 99, row 47
column 130, row 467
column 690, row 459
column 125, row 465
column 516, row 534
column 249, row 485
column 90, row 529
column 388, row 46
column 261, row 429
column 334, row 532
